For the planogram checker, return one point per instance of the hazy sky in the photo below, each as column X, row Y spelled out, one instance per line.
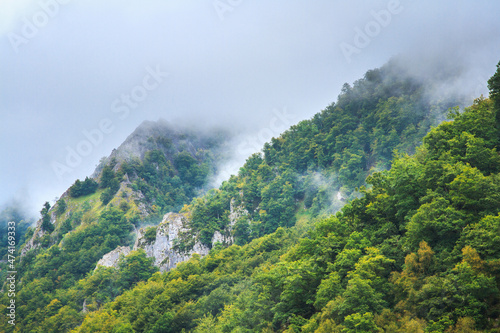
column 78, row 76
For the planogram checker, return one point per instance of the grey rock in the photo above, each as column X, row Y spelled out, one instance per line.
column 111, row 259
column 162, row 249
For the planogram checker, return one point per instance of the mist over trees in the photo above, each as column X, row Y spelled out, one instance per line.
column 418, row 251
column 414, row 245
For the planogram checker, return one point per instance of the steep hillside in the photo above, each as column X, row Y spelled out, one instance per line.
column 308, row 171
column 16, row 213
column 418, row 252
column 159, row 168
column 315, row 165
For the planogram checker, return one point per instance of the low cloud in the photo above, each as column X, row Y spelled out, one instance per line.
column 230, row 72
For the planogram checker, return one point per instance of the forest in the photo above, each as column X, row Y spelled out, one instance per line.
column 414, row 248
column 299, row 175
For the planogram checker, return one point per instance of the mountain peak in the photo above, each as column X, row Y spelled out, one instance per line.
column 164, row 136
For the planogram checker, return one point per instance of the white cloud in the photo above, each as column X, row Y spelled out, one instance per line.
column 264, row 55
column 11, row 13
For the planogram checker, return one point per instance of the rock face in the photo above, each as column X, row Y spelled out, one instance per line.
column 34, row 241
column 162, row 248
column 110, row 259
column 235, row 213
column 167, row 137
column 172, row 229
column 225, row 237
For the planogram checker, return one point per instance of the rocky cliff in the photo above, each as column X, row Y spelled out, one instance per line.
column 168, row 234
column 171, row 232
column 111, row 259
column 159, row 167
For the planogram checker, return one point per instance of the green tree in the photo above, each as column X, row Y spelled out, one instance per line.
column 134, row 268
column 106, row 177
column 46, row 224
column 438, row 223
column 79, row 188
column 361, row 323
column 494, row 87
column 61, row 206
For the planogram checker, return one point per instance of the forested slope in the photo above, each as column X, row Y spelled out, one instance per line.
column 250, row 285
column 159, row 168
column 418, row 252
column 312, row 167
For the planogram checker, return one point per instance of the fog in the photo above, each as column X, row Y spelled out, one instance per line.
column 78, row 76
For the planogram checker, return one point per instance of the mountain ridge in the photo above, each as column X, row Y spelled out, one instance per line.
column 418, row 251
column 295, row 180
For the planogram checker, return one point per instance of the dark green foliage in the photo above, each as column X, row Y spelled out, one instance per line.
column 134, row 268
column 189, row 170
column 52, row 272
column 66, row 226
column 210, row 213
column 277, row 204
column 494, row 87
column 360, row 131
column 46, row 224
column 417, row 252
column 14, row 213
column 124, row 206
column 107, row 176
column 110, row 182
column 168, row 184
column 335, row 150
column 79, row 188
column 106, row 197
column 164, row 300
column 58, row 276
column 61, row 207
column 150, row 234
column 110, row 191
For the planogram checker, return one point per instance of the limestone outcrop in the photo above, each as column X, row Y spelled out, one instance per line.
column 174, row 230
column 163, row 249
column 110, row 259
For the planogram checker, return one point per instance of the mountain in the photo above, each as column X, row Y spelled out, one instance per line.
column 418, row 251
column 150, row 195
column 158, row 168
column 15, row 213
column 315, row 165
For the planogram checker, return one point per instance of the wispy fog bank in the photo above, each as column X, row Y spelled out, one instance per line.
column 78, row 77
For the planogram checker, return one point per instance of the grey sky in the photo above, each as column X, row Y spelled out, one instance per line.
column 66, row 66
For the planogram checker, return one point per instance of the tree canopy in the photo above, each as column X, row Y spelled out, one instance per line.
column 416, row 249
